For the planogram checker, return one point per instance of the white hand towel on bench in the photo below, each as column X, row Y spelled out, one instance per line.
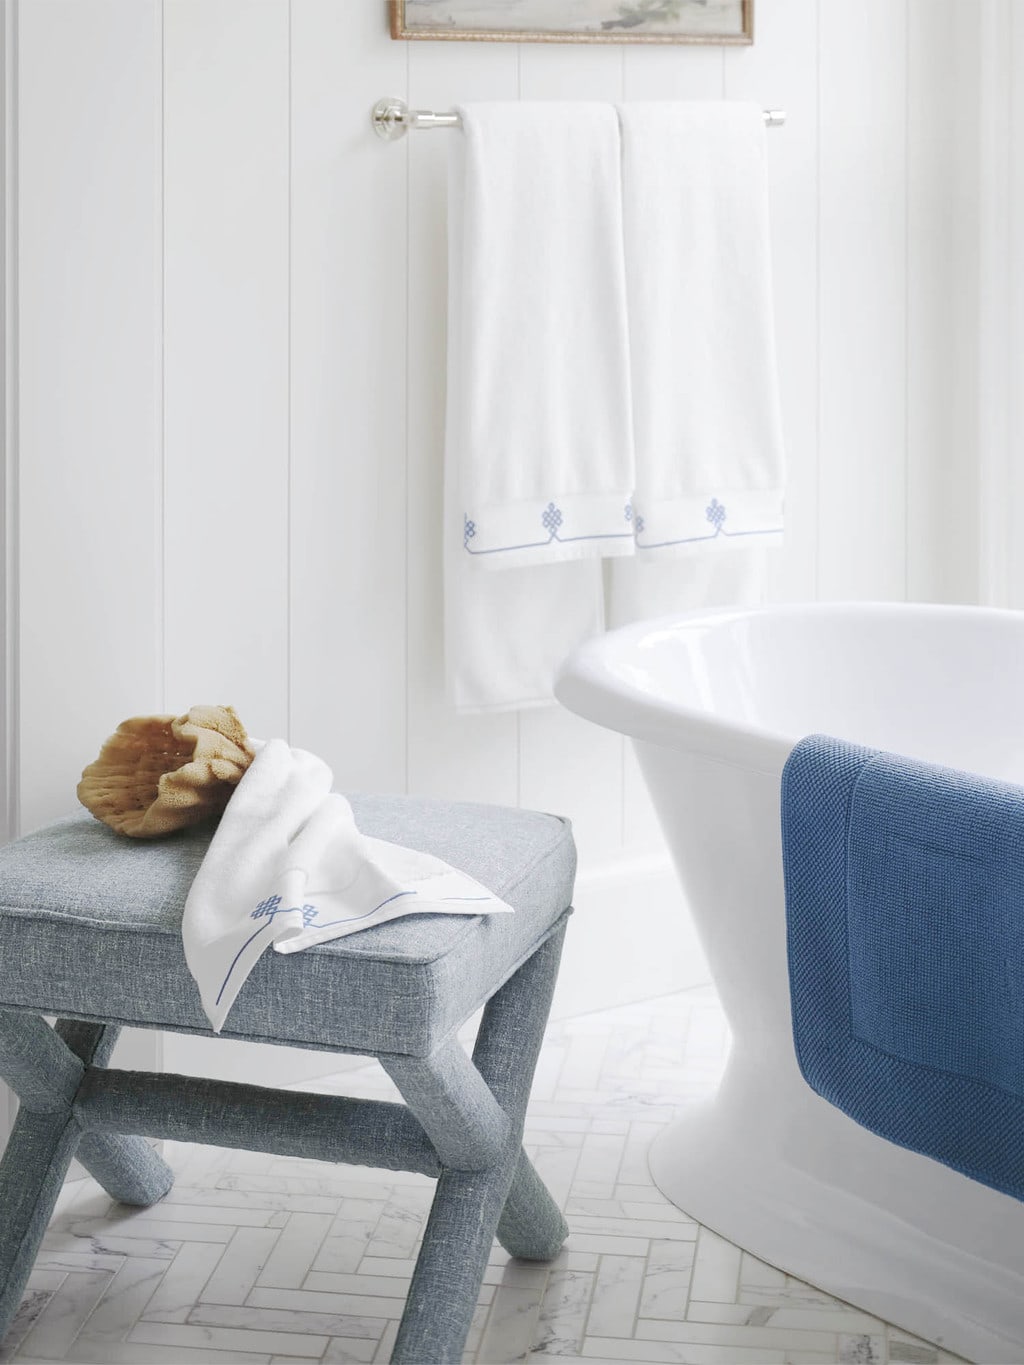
column 706, row 414
column 287, row 866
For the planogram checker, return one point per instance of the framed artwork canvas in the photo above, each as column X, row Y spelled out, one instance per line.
column 576, row 21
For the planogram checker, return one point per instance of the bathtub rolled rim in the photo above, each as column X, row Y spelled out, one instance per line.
column 593, row 681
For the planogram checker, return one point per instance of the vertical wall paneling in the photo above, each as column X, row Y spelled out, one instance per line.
column 449, row 755
column 673, row 72
column 8, row 428
column 863, row 272
column 8, row 370
column 88, row 377
column 1015, row 57
column 1001, row 313
column 226, row 357
column 941, row 303
column 226, row 427
column 995, row 325
column 591, row 73
column 959, row 556
column 88, row 393
column 781, row 70
column 348, row 316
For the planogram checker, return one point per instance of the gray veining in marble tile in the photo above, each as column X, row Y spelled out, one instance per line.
column 196, row 1336
column 667, row 1281
column 344, row 1307
column 54, row 1331
column 509, row 1331
column 295, row 1250
column 563, row 1312
column 32, row 1305
column 349, row 1236
column 230, row 1196
column 311, row 1321
column 400, row 1225
column 861, row 1349
column 124, row 1299
column 184, row 1281
column 240, row 1266
column 616, row 1297
column 100, row 1243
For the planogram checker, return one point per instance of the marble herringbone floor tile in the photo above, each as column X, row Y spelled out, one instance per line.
column 263, row 1260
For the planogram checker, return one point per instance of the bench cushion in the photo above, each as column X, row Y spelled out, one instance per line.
column 90, row 927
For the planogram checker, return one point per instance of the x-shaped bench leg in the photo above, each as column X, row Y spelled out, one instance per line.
column 44, row 1068
column 473, row 1113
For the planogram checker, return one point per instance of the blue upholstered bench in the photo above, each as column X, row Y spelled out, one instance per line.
column 90, row 930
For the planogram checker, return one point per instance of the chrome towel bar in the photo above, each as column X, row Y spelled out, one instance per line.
column 392, row 118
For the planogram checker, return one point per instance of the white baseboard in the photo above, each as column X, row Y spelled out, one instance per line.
column 225, row 1059
column 632, row 938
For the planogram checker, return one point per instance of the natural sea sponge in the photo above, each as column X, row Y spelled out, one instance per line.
column 156, row 774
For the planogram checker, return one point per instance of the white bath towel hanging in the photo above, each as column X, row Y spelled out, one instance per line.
column 287, row 867
column 706, row 416
column 539, row 459
column 539, row 419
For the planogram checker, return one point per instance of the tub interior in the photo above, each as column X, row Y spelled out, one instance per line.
column 941, row 684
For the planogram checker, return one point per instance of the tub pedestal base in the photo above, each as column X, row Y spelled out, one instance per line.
column 796, row 1183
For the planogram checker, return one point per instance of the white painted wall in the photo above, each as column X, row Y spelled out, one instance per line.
column 1001, row 311
column 229, row 382
column 7, row 426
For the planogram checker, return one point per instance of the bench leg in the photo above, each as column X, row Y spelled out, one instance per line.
column 44, row 1068
column 32, row 1172
column 450, row 1268
column 472, row 1205
column 127, row 1167
column 506, row 1052
column 531, row 1226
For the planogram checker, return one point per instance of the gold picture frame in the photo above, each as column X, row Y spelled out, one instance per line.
column 575, row 21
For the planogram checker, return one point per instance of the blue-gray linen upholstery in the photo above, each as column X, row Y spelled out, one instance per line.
column 90, row 927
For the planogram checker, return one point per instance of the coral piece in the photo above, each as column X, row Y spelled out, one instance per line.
column 157, row 774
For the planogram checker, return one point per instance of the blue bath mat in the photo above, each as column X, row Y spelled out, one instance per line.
column 905, row 923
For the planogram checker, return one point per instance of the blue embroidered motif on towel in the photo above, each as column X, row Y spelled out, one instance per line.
column 716, row 514
column 270, row 907
column 551, row 520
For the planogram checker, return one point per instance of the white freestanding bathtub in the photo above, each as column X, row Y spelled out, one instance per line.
column 714, row 702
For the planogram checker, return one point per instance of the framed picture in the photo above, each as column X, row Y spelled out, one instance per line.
column 576, row 21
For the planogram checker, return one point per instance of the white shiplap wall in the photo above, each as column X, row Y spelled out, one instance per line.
column 1001, row 312
column 230, row 391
